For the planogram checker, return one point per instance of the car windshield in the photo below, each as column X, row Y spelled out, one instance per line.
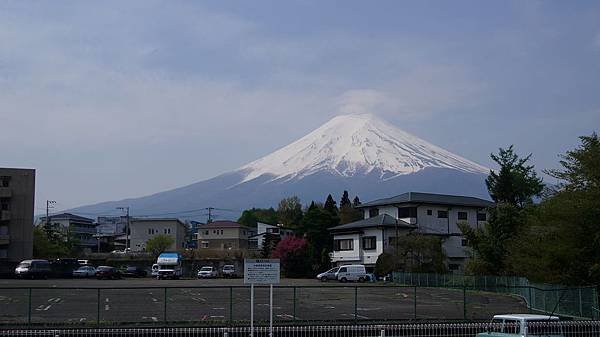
column 131, row 268
column 333, row 270
column 24, row 265
column 206, row 269
column 104, row 268
column 228, row 268
column 83, row 269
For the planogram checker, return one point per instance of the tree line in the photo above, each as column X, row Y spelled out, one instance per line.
column 307, row 252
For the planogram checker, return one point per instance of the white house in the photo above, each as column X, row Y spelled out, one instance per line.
column 256, row 241
column 425, row 213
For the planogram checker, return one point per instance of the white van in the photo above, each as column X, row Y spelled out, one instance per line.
column 352, row 272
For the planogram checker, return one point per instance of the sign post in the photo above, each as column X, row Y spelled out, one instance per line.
column 261, row 271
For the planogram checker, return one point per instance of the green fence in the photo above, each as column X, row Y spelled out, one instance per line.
column 579, row 302
column 230, row 305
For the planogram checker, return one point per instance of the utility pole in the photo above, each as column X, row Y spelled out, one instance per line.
column 49, row 205
column 126, row 228
column 209, row 214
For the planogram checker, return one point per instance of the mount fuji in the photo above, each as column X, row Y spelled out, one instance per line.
column 359, row 153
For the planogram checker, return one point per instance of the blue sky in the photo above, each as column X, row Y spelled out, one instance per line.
column 109, row 100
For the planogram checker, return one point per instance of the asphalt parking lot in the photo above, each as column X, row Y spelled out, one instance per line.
column 129, row 301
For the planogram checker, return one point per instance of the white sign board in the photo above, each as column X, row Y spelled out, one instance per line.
column 261, row 271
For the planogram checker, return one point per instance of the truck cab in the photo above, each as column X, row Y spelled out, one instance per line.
column 169, row 266
column 518, row 325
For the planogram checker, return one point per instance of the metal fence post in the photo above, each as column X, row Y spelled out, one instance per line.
column 165, row 310
column 230, row 305
column 98, row 307
column 29, row 309
column 355, row 304
column 530, row 301
column 415, row 301
column 294, row 304
column 464, row 302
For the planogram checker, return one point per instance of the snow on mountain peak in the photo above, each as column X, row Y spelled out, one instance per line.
column 356, row 144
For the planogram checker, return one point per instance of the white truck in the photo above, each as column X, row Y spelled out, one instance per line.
column 523, row 325
column 169, row 266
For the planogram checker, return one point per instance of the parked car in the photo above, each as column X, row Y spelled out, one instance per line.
column 353, row 272
column 133, row 271
column 229, row 271
column 517, row 325
column 33, row 269
column 328, row 275
column 107, row 272
column 64, row 267
column 84, row 271
column 207, row 272
column 154, row 270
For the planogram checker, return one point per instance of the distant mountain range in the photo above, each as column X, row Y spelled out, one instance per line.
column 359, row 153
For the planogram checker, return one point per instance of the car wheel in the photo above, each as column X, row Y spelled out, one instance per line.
column 344, row 280
column 361, row 279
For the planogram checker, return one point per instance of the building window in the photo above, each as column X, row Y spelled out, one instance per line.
column 4, row 181
column 407, row 212
column 222, row 232
column 204, row 244
column 453, row 266
column 149, row 231
column 429, row 212
column 481, row 217
column 205, row 232
column 343, row 244
column 3, row 253
column 392, row 241
column 373, row 212
column 442, row 214
column 464, row 242
column 462, row 215
column 369, row 243
column 5, row 206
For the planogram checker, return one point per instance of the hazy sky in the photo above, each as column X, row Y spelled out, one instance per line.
column 109, row 100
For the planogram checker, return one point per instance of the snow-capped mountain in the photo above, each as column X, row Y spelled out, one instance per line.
column 356, row 144
column 359, row 153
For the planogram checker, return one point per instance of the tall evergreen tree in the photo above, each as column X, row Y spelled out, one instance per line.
column 330, row 205
column 512, row 187
column 345, row 201
column 356, row 202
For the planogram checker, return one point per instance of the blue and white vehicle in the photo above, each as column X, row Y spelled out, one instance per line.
column 169, row 266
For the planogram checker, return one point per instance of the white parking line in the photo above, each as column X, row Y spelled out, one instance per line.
column 217, row 316
column 107, row 300
column 218, row 308
column 154, row 300
column 107, row 307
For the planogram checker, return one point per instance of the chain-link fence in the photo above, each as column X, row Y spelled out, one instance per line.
column 230, row 305
column 537, row 329
column 579, row 302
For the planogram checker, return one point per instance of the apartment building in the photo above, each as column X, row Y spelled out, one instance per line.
column 74, row 227
column 17, row 194
column 223, row 235
column 426, row 213
column 144, row 229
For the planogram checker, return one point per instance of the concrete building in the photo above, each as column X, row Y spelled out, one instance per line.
column 144, row 229
column 222, row 235
column 262, row 229
column 76, row 227
column 424, row 213
column 111, row 225
column 17, row 195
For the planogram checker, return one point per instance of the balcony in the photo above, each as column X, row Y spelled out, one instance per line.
column 5, row 192
column 4, row 239
column 4, row 215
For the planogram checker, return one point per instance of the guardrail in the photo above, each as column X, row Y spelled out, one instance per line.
column 230, row 305
column 554, row 329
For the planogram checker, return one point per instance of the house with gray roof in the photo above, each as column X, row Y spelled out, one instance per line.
column 426, row 213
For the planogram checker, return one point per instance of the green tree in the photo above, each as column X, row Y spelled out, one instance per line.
column 315, row 225
column 516, row 183
column 512, row 187
column 330, row 205
column 289, row 212
column 561, row 242
column 159, row 244
column 345, row 201
column 356, row 202
column 270, row 241
column 46, row 249
column 250, row 217
column 421, row 253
